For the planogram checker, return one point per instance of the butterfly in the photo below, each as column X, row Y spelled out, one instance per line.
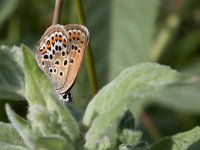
column 60, row 54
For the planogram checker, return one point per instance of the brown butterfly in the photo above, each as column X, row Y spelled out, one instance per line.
column 60, row 53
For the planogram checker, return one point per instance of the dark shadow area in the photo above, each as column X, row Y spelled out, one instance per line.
column 165, row 144
column 127, row 122
column 19, row 106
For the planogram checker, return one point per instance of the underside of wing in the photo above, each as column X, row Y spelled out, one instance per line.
column 78, row 37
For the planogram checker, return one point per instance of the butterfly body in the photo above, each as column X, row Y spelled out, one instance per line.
column 60, row 53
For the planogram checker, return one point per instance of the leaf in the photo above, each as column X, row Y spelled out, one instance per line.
column 21, row 125
column 42, row 98
column 140, row 146
column 11, row 75
column 183, row 97
column 102, row 134
column 6, row 146
column 121, row 36
column 32, row 138
column 9, row 135
column 52, row 143
column 130, row 137
column 7, row 8
column 189, row 140
column 132, row 34
column 130, row 90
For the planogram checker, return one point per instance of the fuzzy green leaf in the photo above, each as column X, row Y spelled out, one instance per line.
column 130, row 89
column 21, row 125
column 129, row 92
column 130, row 137
column 9, row 135
column 53, row 143
column 183, row 97
column 44, row 102
column 139, row 146
column 33, row 138
column 103, row 132
column 11, row 74
column 6, row 146
column 189, row 140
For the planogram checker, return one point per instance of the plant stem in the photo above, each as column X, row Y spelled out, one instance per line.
column 89, row 58
column 164, row 37
column 149, row 126
column 57, row 12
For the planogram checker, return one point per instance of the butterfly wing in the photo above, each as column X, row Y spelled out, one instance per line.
column 78, row 37
column 60, row 53
column 53, row 55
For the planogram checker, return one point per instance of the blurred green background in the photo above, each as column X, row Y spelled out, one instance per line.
column 122, row 34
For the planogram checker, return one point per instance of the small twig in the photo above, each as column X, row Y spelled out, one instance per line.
column 57, row 12
column 164, row 37
column 149, row 126
column 89, row 58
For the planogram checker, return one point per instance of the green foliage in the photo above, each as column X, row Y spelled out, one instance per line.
column 6, row 9
column 50, row 124
column 121, row 34
column 48, row 119
column 9, row 137
column 185, row 94
column 130, row 89
column 186, row 141
column 12, row 75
